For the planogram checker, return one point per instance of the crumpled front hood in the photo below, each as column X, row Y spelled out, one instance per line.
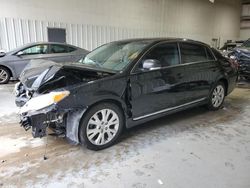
column 48, row 75
column 33, row 70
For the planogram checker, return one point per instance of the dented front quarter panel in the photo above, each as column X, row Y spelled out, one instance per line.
column 72, row 124
column 72, row 108
column 86, row 95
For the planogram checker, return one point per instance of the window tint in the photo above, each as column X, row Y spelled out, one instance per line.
column 55, row 48
column 192, row 53
column 39, row 49
column 209, row 54
column 166, row 53
column 71, row 49
column 217, row 54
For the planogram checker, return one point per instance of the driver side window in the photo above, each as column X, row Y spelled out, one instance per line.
column 167, row 54
column 38, row 49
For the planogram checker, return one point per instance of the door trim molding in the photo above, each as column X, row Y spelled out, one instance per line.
column 169, row 109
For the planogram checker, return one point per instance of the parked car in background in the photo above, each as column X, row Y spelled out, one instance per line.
column 13, row 62
column 229, row 47
column 123, row 84
column 242, row 56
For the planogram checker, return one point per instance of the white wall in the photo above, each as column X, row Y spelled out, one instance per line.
column 244, row 34
column 90, row 23
column 245, row 24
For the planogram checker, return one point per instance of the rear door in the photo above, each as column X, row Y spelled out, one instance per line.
column 156, row 90
column 60, row 53
column 200, row 70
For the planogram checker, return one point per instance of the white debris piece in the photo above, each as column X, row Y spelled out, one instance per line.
column 160, row 182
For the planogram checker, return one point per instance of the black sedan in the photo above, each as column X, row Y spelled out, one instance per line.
column 123, row 84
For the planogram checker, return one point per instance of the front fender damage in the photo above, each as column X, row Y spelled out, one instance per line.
column 72, row 125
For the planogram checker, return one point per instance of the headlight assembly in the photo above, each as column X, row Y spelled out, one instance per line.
column 42, row 101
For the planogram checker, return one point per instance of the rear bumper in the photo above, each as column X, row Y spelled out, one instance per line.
column 245, row 73
column 244, row 68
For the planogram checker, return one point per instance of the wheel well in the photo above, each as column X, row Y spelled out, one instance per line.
column 117, row 103
column 225, row 82
column 11, row 75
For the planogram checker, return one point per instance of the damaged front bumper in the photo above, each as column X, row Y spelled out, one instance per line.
column 39, row 121
column 63, row 123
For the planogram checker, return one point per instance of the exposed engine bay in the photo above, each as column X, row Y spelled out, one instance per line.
column 53, row 77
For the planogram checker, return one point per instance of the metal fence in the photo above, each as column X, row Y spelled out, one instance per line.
column 16, row 32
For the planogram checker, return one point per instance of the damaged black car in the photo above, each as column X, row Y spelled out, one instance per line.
column 123, row 84
column 242, row 56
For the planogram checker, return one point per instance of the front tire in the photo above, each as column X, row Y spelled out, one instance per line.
column 217, row 96
column 101, row 126
column 4, row 75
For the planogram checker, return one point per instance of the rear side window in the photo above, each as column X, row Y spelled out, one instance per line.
column 55, row 48
column 209, row 54
column 192, row 53
column 71, row 49
column 166, row 53
column 217, row 54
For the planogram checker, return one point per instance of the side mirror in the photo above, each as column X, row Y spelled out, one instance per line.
column 20, row 53
column 151, row 64
column 2, row 53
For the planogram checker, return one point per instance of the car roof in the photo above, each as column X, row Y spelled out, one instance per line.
column 39, row 43
column 157, row 40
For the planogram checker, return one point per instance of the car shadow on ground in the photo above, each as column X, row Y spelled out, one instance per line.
column 188, row 120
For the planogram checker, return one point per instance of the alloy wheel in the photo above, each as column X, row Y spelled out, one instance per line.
column 218, row 96
column 3, row 75
column 102, row 127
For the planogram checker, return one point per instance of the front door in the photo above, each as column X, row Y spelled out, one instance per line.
column 24, row 56
column 156, row 90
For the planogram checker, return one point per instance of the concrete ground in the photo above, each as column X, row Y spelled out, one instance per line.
column 194, row 148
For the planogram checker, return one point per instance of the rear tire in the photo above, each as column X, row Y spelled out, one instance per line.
column 101, row 126
column 4, row 75
column 217, row 96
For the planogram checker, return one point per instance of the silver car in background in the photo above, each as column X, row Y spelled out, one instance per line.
column 13, row 62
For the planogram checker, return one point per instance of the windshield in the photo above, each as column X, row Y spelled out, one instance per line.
column 246, row 44
column 114, row 56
